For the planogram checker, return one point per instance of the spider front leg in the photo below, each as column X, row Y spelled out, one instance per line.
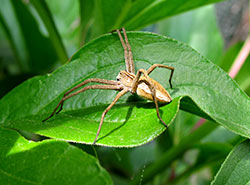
column 162, row 66
column 153, row 91
column 113, row 86
column 130, row 67
column 120, row 94
column 97, row 80
column 137, row 78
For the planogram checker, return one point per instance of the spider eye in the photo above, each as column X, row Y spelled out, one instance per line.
column 117, row 79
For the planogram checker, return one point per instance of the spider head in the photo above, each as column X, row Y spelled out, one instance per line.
column 125, row 78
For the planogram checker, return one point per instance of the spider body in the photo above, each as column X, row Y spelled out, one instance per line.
column 127, row 81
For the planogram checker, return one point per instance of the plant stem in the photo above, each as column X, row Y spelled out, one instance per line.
column 240, row 59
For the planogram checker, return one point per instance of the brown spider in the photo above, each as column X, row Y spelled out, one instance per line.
column 126, row 81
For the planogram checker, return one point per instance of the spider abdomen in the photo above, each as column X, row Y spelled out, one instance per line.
column 162, row 95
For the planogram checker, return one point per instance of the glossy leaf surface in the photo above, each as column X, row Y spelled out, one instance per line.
column 235, row 169
column 207, row 89
column 46, row 162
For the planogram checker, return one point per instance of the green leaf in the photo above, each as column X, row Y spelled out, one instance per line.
column 207, row 89
column 173, row 153
column 108, row 15
column 210, row 154
column 209, row 33
column 86, row 15
column 242, row 78
column 68, row 26
column 235, row 169
column 43, row 11
column 46, row 162
column 35, row 50
column 145, row 12
column 3, row 42
column 137, row 14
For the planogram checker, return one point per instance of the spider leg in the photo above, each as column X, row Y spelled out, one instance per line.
column 130, row 55
column 137, row 78
column 153, row 90
column 120, row 94
column 98, row 80
column 126, row 56
column 162, row 66
column 151, row 86
column 156, row 105
column 109, row 87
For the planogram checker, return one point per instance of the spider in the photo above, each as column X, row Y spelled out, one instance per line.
column 127, row 81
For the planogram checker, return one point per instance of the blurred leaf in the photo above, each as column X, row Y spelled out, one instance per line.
column 229, row 56
column 35, row 50
column 67, row 21
column 108, row 15
column 44, row 13
column 190, row 27
column 173, row 153
column 7, row 32
column 209, row 89
column 210, row 154
column 137, row 14
column 243, row 76
column 235, row 169
column 182, row 125
column 46, row 162
column 220, row 135
column 116, row 160
column 143, row 12
column 86, row 14
column 12, row 30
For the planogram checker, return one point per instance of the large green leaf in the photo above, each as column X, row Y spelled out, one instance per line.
column 235, row 169
column 46, row 162
column 207, row 90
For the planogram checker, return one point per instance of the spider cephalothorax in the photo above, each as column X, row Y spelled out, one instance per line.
column 127, row 81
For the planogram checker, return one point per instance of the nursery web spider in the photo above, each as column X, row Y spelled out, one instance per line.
column 127, row 81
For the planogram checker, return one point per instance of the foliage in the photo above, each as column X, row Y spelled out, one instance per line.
column 41, row 37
